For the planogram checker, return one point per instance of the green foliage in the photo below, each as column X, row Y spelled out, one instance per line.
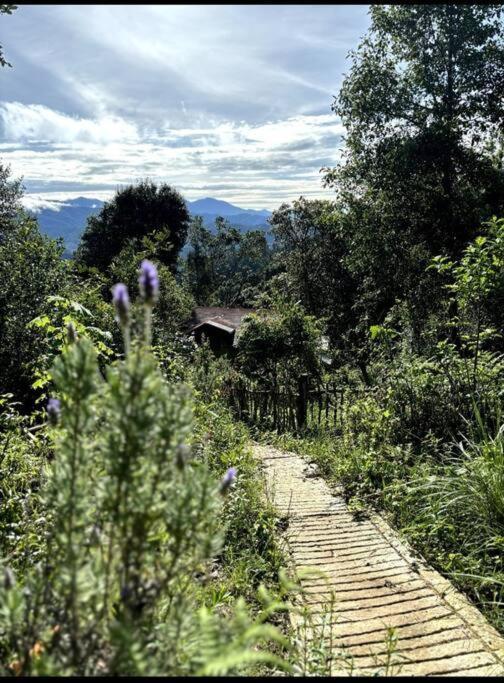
column 424, row 443
column 250, row 554
column 477, row 286
column 276, row 345
column 5, row 9
column 146, row 215
column 130, row 517
column 420, row 104
column 10, row 195
column 311, row 248
column 454, row 515
column 24, row 453
column 175, row 303
column 121, row 553
column 31, row 269
column 53, row 325
column 228, row 268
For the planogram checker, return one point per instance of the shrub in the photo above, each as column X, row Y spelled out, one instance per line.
column 276, row 345
column 24, row 454
column 131, row 519
column 30, row 269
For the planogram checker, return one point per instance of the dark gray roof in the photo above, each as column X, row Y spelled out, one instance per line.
column 229, row 318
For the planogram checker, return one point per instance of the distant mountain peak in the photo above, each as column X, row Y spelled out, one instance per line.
column 84, row 201
column 67, row 217
column 211, row 205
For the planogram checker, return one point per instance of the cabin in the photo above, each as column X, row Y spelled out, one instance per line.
column 218, row 326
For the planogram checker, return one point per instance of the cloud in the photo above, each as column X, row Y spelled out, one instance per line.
column 36, row 203
column 256, row 164
column 235, row 97
column 35, row 122
column 145, row 62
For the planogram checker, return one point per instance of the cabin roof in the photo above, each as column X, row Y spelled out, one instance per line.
column 214, row 323
column 227, row 319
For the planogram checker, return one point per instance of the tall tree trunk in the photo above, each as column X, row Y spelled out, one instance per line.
column 448, row 155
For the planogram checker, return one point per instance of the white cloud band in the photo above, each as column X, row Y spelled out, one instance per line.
column 35, row 122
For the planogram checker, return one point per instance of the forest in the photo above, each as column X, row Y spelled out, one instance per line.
column 136, row 536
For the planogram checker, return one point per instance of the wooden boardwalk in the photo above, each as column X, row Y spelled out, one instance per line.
column 377, row 583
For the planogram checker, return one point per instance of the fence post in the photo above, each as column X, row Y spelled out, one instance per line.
column 302, row 401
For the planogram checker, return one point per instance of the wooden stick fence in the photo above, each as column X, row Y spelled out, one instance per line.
column 323, row 406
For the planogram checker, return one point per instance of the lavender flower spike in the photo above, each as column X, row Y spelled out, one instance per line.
column 53, row 410
column 227, row 480
column 149, row 282
column 121, row 303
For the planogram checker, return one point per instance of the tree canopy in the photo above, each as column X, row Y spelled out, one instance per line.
column 276, row 345
column 227, row 267
column 144, row 211
column 5, row 9
column 11, row 192
column 421, row 103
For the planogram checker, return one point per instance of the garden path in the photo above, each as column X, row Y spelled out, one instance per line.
column 376, row 582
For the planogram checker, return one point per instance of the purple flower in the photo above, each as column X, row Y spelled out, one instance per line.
column 53, row 410
column 121, row 302
column 227, row 480
column 149, row 282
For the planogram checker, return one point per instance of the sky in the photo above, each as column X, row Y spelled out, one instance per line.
column 227, row 101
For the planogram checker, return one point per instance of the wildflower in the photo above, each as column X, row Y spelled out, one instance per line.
column 149, row 282
column 36, row 650
column 53, row 410
column 227, row 480
column 122, row 303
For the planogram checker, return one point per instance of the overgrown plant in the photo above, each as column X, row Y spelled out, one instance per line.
column 476, row 282
column 131, row 519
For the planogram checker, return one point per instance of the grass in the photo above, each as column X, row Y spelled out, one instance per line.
column 253, row 562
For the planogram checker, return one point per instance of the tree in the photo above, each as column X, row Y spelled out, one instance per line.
column 174, row 306
column 312, row 250
column 198, row 267
column 227, row 268
column 478, row 287
column 420, row 104
column 276, row 345
column 137, row 213
column 31, row 269
column 11, row 192
column 5, row 9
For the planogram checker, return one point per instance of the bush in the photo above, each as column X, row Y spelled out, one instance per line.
column 130, row 520
column 276, row 345
column 24, row 455
column 30, row 270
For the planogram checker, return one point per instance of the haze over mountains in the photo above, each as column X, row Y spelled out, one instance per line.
column 67, row 218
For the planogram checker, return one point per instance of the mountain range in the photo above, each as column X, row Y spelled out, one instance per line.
column 67, row 218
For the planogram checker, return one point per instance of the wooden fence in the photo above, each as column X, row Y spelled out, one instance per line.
column 309, row 406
